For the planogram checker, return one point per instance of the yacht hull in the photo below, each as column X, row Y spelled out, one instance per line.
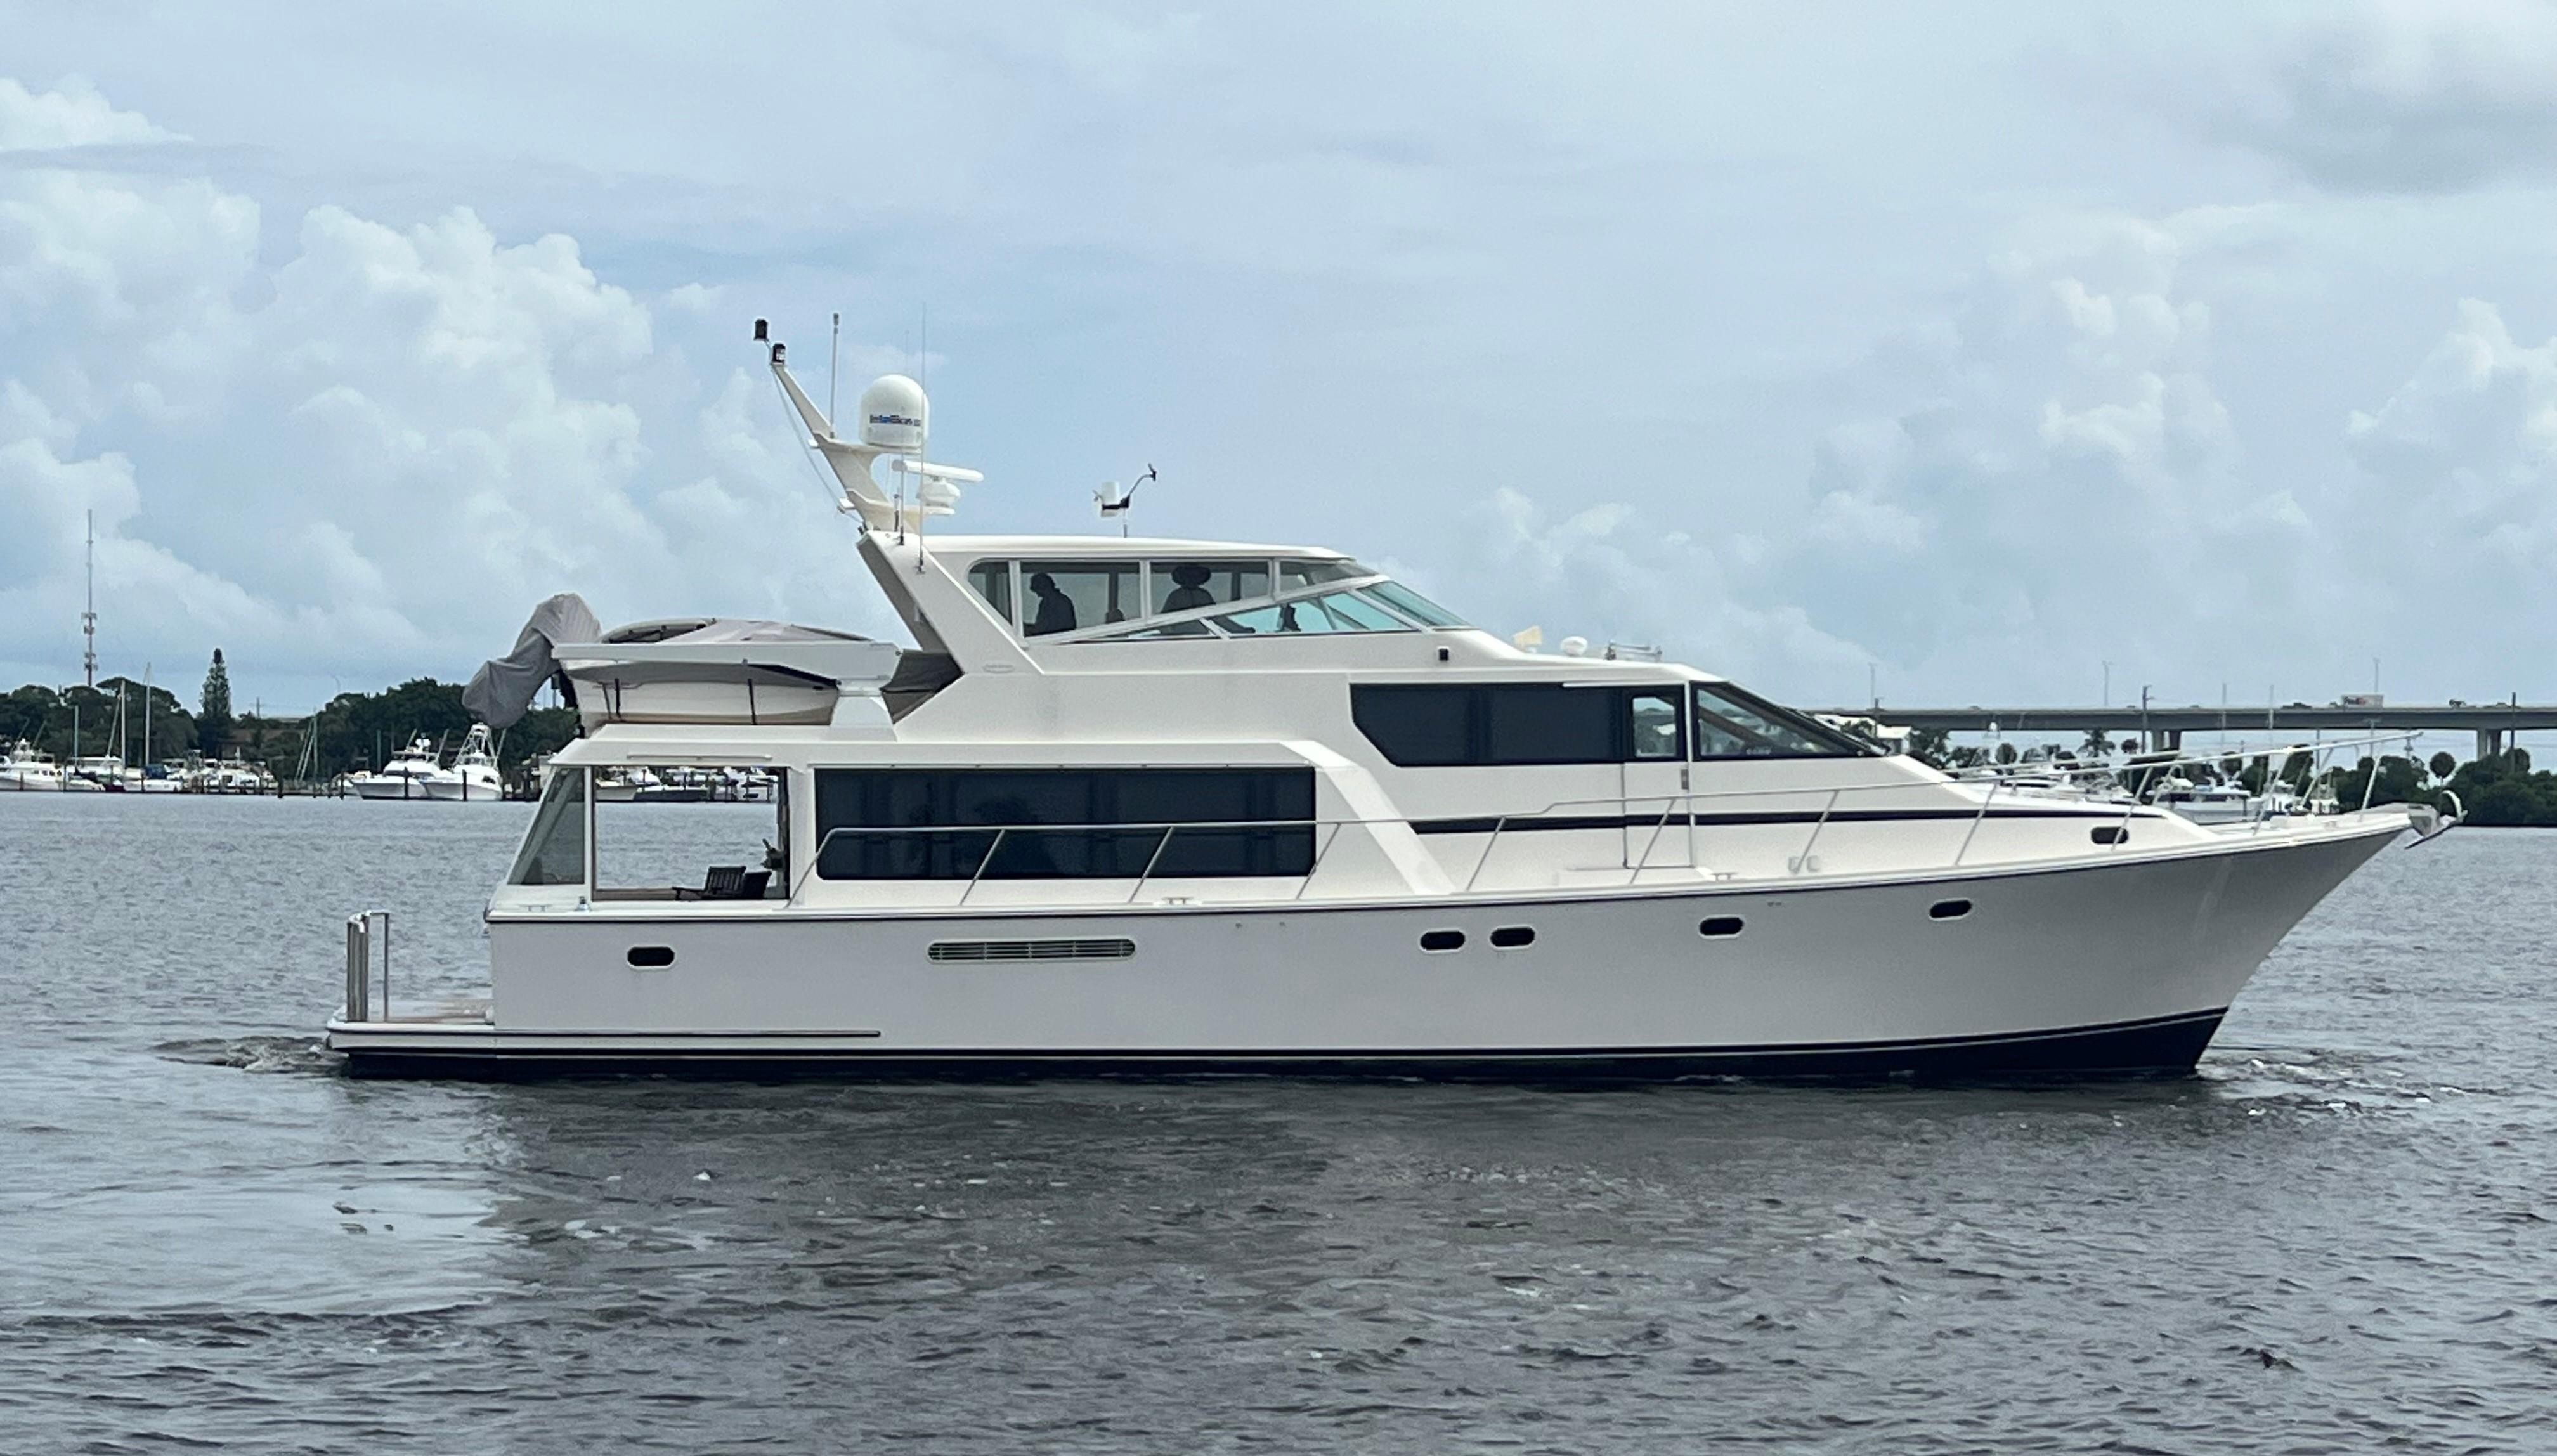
column 2100, row 966
column 378, row 788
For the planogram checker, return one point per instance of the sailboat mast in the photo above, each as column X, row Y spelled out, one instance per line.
column 88, row 618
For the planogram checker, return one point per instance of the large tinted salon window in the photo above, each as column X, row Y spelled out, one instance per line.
column 1162, row 823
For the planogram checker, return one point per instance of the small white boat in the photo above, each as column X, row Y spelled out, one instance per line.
column 404, row 777
column 472, row 776
column 235, row 776
column 24, row 767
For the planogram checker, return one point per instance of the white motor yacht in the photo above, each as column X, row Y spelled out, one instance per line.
column 1178, row 805
column 24, row 767
column 2210, row 803
column 473, row 775
column 406, row 776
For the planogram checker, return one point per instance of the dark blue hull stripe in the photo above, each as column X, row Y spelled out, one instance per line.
column 2159, row 1045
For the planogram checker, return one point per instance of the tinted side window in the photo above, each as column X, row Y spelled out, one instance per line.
column 1549, row 724
column 1732, row 723
column 994, row 581
column 1651, row 725
column 1187, row 585
column 1427, row 725
column 1069, row 595
column 1415, row 727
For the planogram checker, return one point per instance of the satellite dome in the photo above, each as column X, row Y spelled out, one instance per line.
column 895, row 415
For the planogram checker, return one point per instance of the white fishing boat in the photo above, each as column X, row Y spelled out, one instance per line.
column 406, row 776
column 26, row 769
column 1208, row 804
column 473, row 775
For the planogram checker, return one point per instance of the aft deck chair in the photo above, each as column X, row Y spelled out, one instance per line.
column 734, row 883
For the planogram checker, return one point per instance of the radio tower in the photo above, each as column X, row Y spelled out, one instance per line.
column 88, row 618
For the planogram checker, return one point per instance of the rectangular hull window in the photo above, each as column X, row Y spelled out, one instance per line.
column 1064, row 824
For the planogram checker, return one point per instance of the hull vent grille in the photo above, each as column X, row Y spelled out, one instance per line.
column 1007, row 951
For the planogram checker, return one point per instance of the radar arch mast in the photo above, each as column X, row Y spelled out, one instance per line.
column 894, row 423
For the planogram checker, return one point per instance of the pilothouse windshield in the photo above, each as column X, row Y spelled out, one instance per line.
column 1201, row 597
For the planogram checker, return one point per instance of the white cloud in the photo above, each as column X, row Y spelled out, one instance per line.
column 2400, row 96
column 2064, row 464
column 2465, row 454
column 1606, row 573
column 71, row 114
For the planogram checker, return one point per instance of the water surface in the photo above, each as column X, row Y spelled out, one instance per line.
column 2341, row 1236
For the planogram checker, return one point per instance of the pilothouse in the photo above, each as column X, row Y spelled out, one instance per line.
column 1133, row 803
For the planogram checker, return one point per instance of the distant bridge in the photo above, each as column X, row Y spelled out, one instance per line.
column 2164, row 728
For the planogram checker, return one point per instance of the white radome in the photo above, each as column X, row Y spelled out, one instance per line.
column 895, row 416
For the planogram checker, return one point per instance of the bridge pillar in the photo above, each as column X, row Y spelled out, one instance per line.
column 2489, row 742
column 2166, row 741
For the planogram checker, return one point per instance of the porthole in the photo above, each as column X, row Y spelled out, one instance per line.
column 1442, row 940
column 651, row 958
column 2109, row 834
column 1948, row 910
column 1511, row 937
column 1718, row 926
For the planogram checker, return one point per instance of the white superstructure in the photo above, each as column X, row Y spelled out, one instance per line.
column 1182, row 804
column 406, row 776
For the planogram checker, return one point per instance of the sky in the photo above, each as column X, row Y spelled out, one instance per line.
column 1982, row 354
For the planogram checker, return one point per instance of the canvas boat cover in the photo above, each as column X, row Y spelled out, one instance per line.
column 504, row 686
column 647, row 691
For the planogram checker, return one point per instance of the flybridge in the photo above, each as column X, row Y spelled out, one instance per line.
column 896, row 424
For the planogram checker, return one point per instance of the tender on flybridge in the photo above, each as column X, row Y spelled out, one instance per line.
column 1180, row 804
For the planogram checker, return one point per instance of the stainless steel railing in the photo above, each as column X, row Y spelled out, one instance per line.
column 2094, row 780
column 359, row 966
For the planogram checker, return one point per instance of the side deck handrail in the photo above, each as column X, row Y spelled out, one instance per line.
column 1671, row 807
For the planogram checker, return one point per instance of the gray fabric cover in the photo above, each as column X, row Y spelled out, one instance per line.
column 504, row 686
